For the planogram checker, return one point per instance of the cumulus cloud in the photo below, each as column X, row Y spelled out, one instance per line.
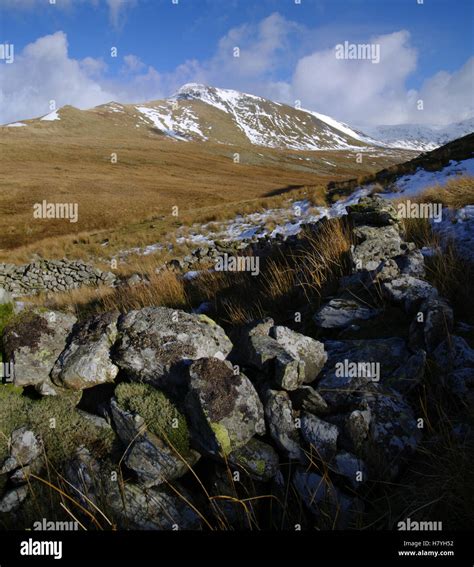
column 356, row 91
column 44, row 72
column 361, row 92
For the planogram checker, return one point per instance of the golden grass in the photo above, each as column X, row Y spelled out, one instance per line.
column 456, row 193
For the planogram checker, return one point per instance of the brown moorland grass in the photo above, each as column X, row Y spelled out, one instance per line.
column 130, row 202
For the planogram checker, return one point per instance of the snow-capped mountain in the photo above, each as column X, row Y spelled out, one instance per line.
column 420, row 137
column 203, row 113
column 225, row 116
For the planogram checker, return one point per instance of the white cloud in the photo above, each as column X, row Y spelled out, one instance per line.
column 361, row 92
column 43, row 72
column 356, row 91
column 116, row 8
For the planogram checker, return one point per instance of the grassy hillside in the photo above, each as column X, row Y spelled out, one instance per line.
column 130, row 203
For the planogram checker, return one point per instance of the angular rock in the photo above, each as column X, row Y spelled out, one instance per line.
column 320, row 435
column 393, row 433
column 259, row 460
column 33, row 341
column 155, row 343
column 282, row 368
column 281, row 423
column 357, row 427
column 309, row 351
column 432, row 324
column 5, row 296
column 13, row 499
column 224, row 409
column 374, row 211
column 412, row 264
column 150, row 457
column 410, row 292
column 308, row 399
column 86, row 362
column 25, row 447
column 375, row 245
column 341, row 312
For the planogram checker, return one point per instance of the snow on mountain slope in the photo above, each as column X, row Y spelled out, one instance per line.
column 419, row 137
column 271, row 124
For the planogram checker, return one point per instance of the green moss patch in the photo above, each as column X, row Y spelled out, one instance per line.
column 161, row 416
column 55, row 418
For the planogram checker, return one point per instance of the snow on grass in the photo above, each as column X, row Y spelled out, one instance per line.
column 15, row 125
column 413, row 185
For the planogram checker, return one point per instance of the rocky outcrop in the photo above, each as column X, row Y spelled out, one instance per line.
column 155, row 344
column 32, row 342
column 204, row 425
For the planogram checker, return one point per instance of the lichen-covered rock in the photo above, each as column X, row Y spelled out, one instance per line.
column 223, row 408
column 374, row 246
column 412, row 264
column 25, row 447
column 409, row 292
column 308, row 399
column 357, row 427
column 373, row 210
column 320, row 435
column 86, row 362
column 341, row 312
column 281, row 423
column 354, row 364
column 154, row 457
column 259, row 460
column 393, row 433
column 128, row 505
column 156, row 508
column 13, row 499
column 33, row 340
column 305, row 349
column 156, row 343
column 282, row 368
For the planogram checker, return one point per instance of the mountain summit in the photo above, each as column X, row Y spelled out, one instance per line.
column 198, row 112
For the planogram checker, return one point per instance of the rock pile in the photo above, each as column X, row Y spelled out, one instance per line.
column 263, row 406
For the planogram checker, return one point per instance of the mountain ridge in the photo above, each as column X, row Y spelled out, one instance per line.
column 198, row 112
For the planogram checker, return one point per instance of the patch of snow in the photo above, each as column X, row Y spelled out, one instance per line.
column 413, row 185
column 15, row 125
column 51, row 116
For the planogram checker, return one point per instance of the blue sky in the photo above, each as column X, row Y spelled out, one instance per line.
column 286, row 53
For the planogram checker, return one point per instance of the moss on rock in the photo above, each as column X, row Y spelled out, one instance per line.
column 160, row 415
column 56, row 420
